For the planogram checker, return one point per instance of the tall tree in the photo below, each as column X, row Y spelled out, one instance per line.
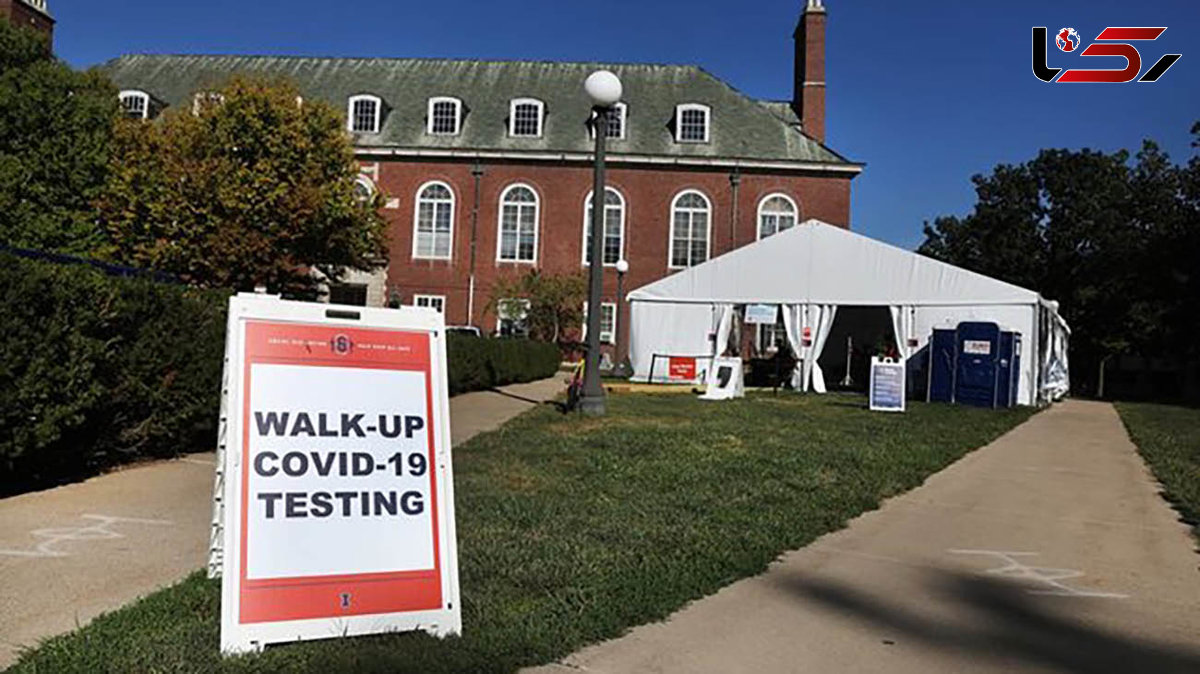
column 252, row 187
column 55, row 133
column 1106, row 236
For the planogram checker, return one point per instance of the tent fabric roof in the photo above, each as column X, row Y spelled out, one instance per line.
column 816, row 262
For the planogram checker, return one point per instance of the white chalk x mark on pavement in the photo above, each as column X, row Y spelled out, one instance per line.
column 98, row 530
column 1047, row 576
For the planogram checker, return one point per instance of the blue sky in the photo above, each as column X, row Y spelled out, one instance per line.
column 926, row 93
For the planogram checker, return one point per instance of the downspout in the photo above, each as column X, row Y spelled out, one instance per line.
column 735, row 179
column 476, row 173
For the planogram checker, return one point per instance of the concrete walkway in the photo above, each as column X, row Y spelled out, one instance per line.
column 1049, row 550
column 71, row 553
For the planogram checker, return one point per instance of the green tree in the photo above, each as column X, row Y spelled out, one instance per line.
column 1105, row 235
column 555, row 302
column 254, row 187
column 55, row 133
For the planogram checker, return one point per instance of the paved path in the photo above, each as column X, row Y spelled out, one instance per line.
column 71, row 553
column 1049, row 550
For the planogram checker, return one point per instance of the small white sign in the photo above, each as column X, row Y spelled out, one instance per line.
column 886, row 389
column 762, row 313
column 977, row 347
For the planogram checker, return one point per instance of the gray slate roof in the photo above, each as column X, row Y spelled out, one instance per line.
column 741, row 127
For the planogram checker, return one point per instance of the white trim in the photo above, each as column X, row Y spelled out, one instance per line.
column 512, row 117
column 135, row 93
column 586, row 158
column 759, row 213
column 350, row 112
column 525, row 302
column 622, row 116
column 671, row 228
column 429, row 300
column 612, row 335
column 537, row 224
column 688, row 107
column 417, row 220
column 365, row 181
column 587, row 221
column 458, row 117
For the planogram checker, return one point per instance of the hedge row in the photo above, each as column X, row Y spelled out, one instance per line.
column 478, row 363
column 98, row 370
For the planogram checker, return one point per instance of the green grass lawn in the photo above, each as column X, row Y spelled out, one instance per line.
column 1169, row 439
column 571, row 530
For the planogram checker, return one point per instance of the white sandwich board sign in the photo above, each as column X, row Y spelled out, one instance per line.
column 885, row 392
column 334, row 505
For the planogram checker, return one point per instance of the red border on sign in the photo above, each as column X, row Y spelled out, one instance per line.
column 307, row 597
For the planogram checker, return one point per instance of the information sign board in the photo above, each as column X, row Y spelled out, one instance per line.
column 886, row 390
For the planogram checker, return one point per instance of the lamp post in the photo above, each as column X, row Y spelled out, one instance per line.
column 622, row 267
column 604, row 88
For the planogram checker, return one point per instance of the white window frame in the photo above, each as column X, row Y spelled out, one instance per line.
column 671, row 229
column 609, row 337
column 685, row 107
column 457, row 115
column 417, row 221
column 587, row 221
column 369, row 184
column 429, row 301
column 622, row 115
column 525, row 306
column 135, row 93
column 512, row 117
column 350, row 112
column 537, row 225
column 763, row 202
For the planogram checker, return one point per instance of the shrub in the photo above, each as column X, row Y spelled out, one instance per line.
column 97, row 370
column 477, row 363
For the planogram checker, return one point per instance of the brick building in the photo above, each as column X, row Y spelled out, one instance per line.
column 486, row 166
column 29, row 14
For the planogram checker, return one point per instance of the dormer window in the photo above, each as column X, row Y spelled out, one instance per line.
column 445, row 116
column 135, row 104
column 616, row 122
column 363, row 114
column 691, row 123
column 204, row 100
column 526, row 117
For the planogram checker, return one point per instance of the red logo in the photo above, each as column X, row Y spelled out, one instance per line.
column 1112, row 41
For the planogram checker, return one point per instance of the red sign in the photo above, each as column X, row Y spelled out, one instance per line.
column 682, row 368
column 1112, row 41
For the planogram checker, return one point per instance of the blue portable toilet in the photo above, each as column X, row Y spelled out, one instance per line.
column 976, row 367
column 942, row 355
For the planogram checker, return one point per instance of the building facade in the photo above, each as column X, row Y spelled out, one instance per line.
column 29, row 14
column 485, row 168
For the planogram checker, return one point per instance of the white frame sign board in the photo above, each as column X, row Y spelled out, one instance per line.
column 334, row 498
column 886, row 391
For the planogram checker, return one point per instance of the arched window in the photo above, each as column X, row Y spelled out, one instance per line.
column 616, row 122
column 363, row 113
column 135, row 104
column 776, row 212
column 444, row 116
column 525, row 117
column 518, row 225
column 364, row 189
column 433, row 222
column 689, row 229
column 614, row 228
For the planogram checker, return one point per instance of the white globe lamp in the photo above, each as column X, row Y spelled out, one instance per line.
column 603, row 87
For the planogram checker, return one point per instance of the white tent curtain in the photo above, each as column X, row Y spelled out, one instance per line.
column 902, row 326
column 722, row 327
column 791, row 324
column 820, row 317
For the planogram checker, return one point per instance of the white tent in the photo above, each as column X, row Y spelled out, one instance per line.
column 812, row 269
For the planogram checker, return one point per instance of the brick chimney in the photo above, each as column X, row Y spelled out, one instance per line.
column 808, row 95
